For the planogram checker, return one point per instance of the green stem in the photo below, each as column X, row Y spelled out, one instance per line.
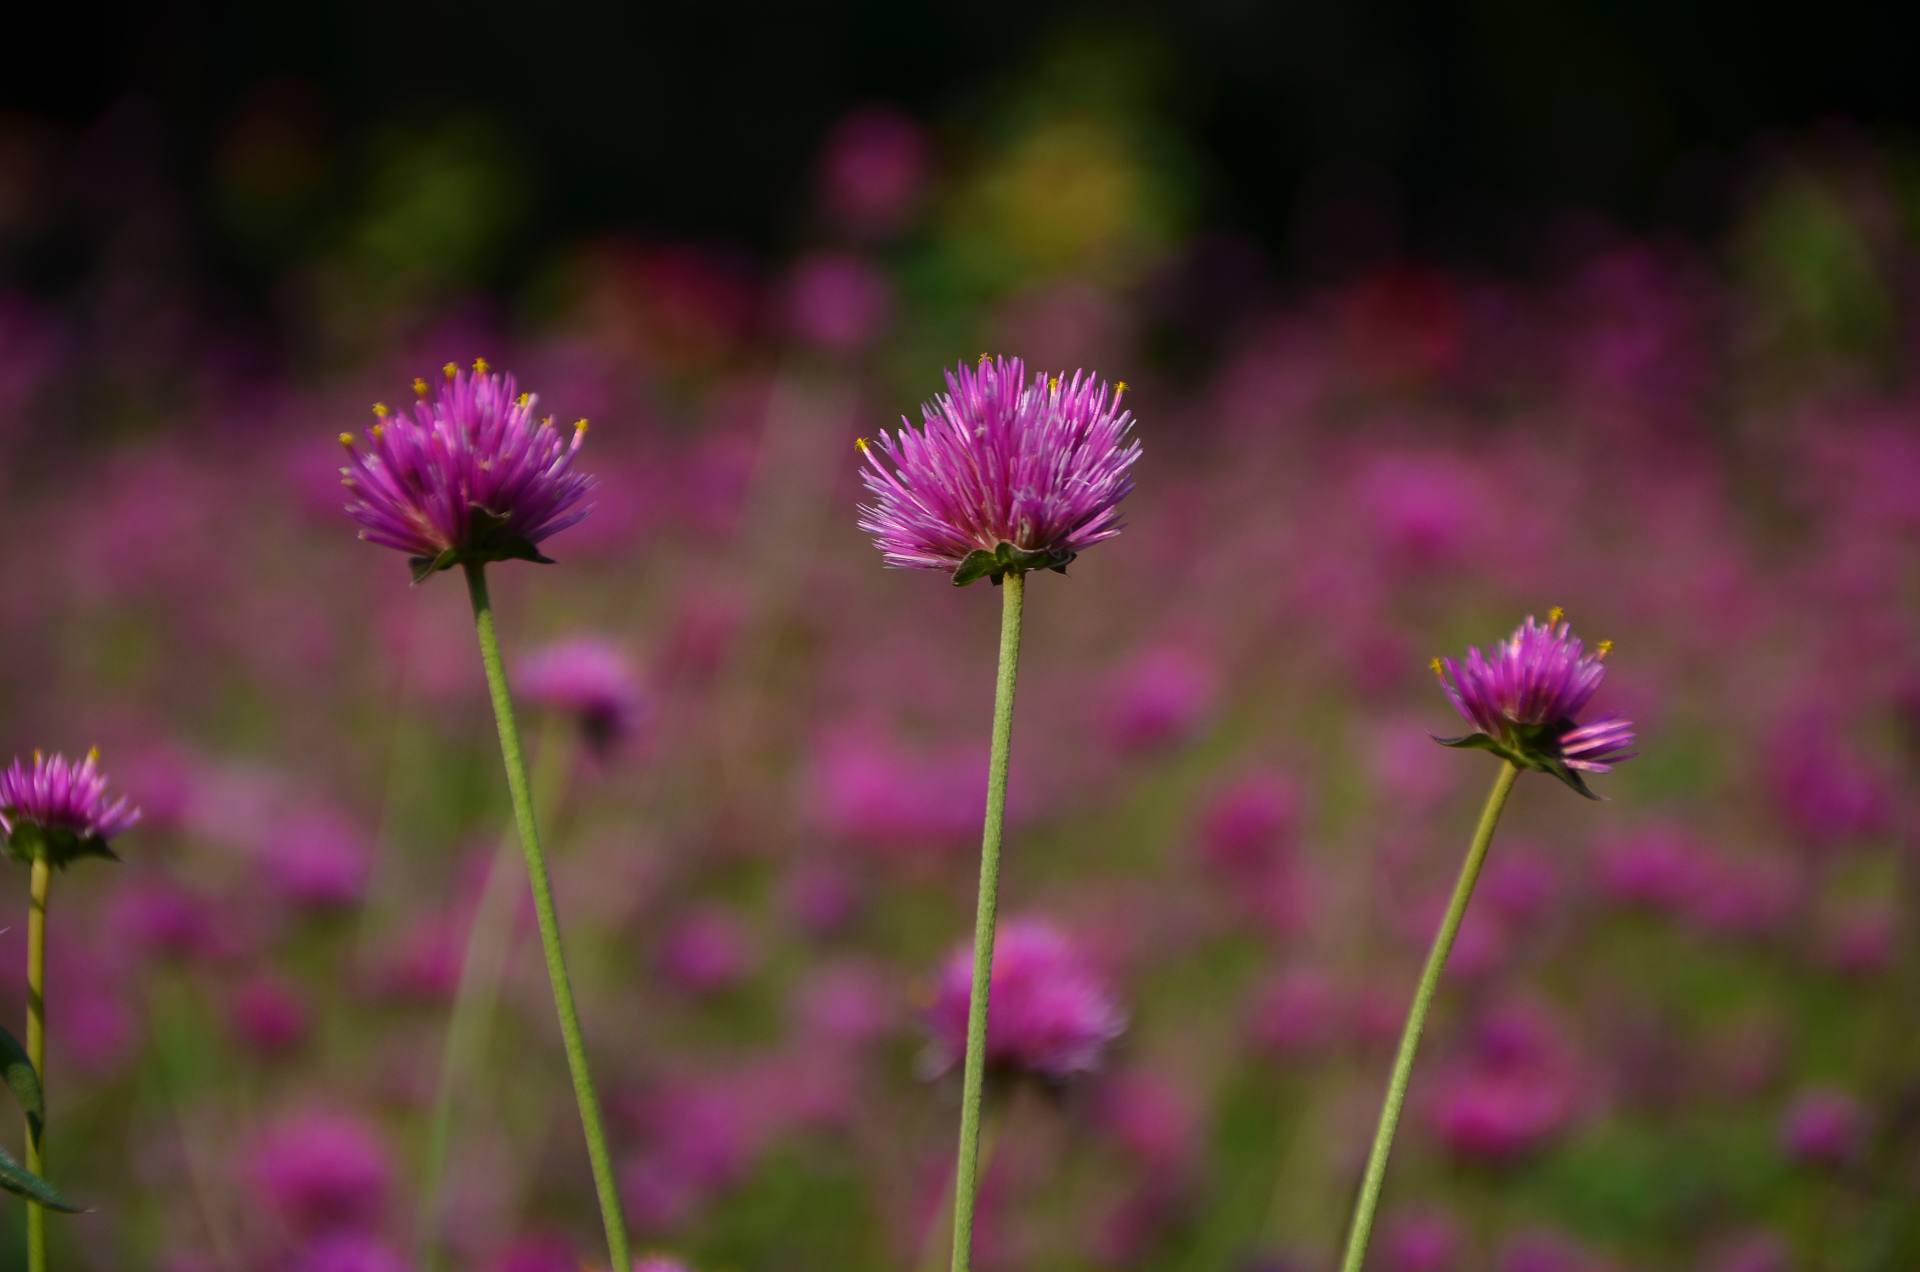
column 966, row 1168
column 549, row 921
column 1362, row 1226
column 482, row 967
column 40, row 879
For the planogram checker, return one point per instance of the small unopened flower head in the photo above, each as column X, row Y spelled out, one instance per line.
column 1048, row 1012
column 465, row 472
column 1524, row 697
column 58, row 808
column 1004, row 475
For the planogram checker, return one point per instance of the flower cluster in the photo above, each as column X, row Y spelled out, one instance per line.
column 59, row 808
column 466, row 474
column 1005, row 475
column 1524, row 697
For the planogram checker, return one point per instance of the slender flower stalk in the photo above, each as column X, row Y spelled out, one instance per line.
column 53, row 812
column 974, row 1075
column 1523, row 696
column 547, row 919
column 1362, row 1226
column 1004, row 476
column 466, row 476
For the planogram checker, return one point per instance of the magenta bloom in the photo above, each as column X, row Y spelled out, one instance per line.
column 322, row 1172
column 1048, row 1013
column 592, row 680
column 60, row 808
column 1004, row 475
column 1824, row 1127
column 467, row 474
column 1525, row 695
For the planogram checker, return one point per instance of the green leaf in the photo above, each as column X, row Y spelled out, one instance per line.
column 60, row 845
column 24, row 1081
column 1558, row 768
column 21, row 1182
column 425, row 567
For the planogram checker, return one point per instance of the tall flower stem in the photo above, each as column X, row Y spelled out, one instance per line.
column 548, row 920
column 1362, row 1226
column 966, row 1168
column 39, row 881
column 489, row 936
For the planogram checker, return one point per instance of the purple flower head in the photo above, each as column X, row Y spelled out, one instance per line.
column 58, row 808
column 594, row 681
column 1004, row 475
column 1048, row 1013
column 322, row 1172
column 1524, row 697
column 1824, row 1127
column 352, row 1252
column 466, row 474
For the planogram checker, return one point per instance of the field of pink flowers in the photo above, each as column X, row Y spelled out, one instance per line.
column 1677, row 1031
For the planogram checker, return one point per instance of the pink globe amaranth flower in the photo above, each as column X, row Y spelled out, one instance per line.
column 1428, row 1242
column 1004, row 475
column 707, row 952
column 659, row 1263
column 351, row 1252
column 268, row 1016
column 466, row 474
column 1824, row 1127
column 1048, row 1013
column 1248, row 825
column 58, row 808
column 322, row 1172
column 318, row 860
column 836, row 302
column 592, row 680
column 1161, row 697
column 874, row 168
column 1524, row 697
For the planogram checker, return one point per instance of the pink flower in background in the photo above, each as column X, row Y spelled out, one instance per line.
column 268, row 1015
column 1428, row 1242
column 591, row 679
column 836, row 302
column 352, row 1252
column 1248, row 825
column 318, row 860
column 1160, row 697
column 1824, row 1126
column 709, row 950
column 1048, row 1012
column 321, row 1171
column 874, row 169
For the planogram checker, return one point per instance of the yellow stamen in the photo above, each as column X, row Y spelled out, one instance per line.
column 1119, row 388
column 480, row 366
column 1554, row 615
column 860, row 444
column 1053, row 384
column 93, row 755
column 450, row 370
column 1438, row 668
column 985, row 358
column 346, row 440
column 1604, row 648
column 419, row 387
column 547, row 422
column 379, row 431
column 580, row 425
column 381, row 410
column 38, row 755
column 524, row 398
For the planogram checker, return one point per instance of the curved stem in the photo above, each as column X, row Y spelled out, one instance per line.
column 1362, row 1226
column 41, row 879
column 482, row 966
column 966, row 1168
column 548, row 920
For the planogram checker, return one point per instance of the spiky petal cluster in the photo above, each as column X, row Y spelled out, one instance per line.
column 59, row 807
column 466, row 473
column 1524, row 695
column 1005, row 474
column 1048, row 1012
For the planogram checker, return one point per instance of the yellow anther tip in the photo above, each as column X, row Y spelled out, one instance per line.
column 450, row 370
column 93, row 754
column 1554, row 615
column 1439, row 669
column 860, row 444
column 346, row 440
column 524, row 398
column 1120, row 387
column 381, row 410
column 1604, row 648
column 480, row 366
column 580, row 425
column 419, row 387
